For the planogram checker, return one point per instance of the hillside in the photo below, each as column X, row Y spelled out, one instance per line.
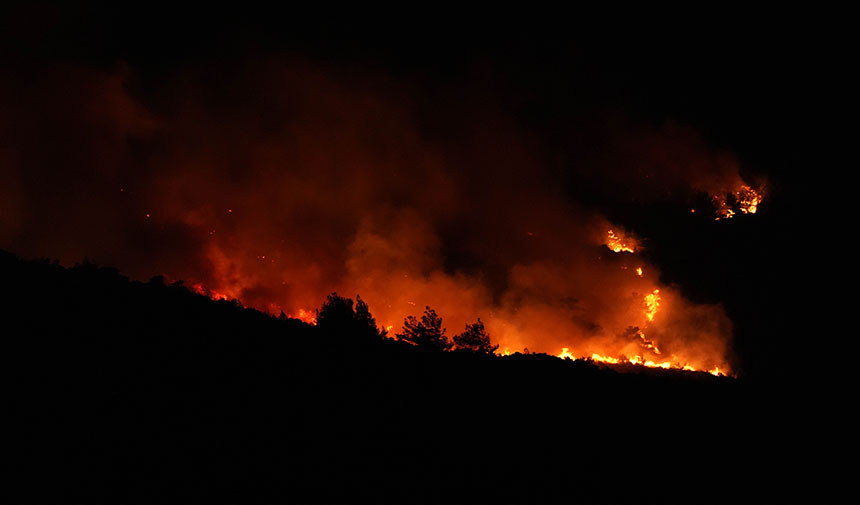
column 135, row 392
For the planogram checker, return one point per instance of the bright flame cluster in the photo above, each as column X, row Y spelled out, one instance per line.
column 652, row 304
column 746, row 198
column 638, row 360
column 307, row 316
column 619, row 242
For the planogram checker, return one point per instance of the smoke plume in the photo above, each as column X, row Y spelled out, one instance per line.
column 278, row 182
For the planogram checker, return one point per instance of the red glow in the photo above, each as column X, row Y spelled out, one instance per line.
column 322, row 183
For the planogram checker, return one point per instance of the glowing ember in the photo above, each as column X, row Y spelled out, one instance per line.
column 639, row 271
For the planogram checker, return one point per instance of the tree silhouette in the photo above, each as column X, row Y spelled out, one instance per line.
column 365, row 322
column 425, row 332
column 338, row 317
column 475, row 339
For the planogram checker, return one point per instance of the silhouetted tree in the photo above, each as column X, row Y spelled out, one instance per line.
column 337, row 316
column 425, row 332
column 365, row 322
column 475, row 339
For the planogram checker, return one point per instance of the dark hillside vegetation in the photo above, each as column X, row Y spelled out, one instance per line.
column 133, row 392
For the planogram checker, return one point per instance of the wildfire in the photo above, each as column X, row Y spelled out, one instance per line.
column 748, row 199
column 308, row 316
column 604, row 359
column 652, row 304
column 745, row 198
column 648, row 357
column 639, row 360
column 618, row 242
column 214, row 294
column 648, row 344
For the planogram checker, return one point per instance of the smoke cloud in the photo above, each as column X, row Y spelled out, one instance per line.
column 278, row 182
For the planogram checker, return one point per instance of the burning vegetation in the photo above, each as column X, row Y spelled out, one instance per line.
column 621, row 242
column 744, row 199
column 325, row 183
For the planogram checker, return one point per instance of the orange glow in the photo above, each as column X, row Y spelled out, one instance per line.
column 604, row 359
column 652, row 304
column 634, row 346
column 351, row 190
column 639, row 360
column 647, row 343
column 618, row 242
column 211, row 293
column 746, row 199
column 308, row 316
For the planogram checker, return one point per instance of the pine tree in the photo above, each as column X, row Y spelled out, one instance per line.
column 475, row 339
column 365, row 322
column 426, row 332
column 338, row 317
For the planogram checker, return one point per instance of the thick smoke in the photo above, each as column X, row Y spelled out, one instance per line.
column 277, row 183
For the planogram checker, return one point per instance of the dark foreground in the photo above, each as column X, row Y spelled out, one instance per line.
column 130, row 392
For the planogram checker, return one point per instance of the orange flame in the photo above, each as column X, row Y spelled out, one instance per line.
column 619, row 242
column 565, row 354
column 652, row 304
column 308, row 316
column 746, row 198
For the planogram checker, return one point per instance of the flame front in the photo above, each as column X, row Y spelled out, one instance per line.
column 349, row 191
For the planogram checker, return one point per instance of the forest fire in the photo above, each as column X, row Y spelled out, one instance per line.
column 744, row 198
column 619, row 242
column 261, row 255
column 652, row 304
column 307, row 316
column 375, row 206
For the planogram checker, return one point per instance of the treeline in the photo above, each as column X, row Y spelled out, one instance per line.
column 142, row 392
column 338, row 316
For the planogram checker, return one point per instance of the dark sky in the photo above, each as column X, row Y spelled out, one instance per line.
column 590, row 100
